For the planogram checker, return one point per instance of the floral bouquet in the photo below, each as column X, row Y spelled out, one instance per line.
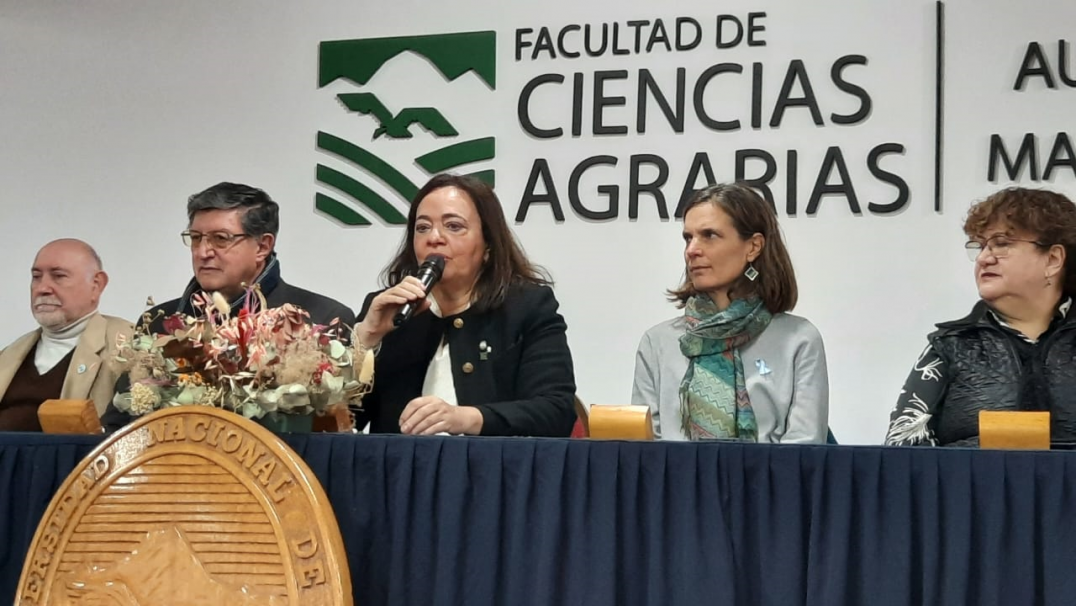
column 261, row 361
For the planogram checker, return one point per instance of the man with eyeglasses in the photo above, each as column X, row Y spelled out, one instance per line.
column 232, row 232
column 67, row 355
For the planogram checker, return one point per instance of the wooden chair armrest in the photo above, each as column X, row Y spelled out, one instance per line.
column 1014, row 430
column 69, row 416
column 616, row 422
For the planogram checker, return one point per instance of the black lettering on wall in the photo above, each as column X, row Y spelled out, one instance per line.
column 540, row 172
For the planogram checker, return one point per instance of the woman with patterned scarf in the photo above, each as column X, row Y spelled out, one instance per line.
column 735, row 365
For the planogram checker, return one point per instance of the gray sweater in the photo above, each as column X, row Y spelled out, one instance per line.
column 785, row 370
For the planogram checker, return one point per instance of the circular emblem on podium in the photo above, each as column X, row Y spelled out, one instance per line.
column 189, row 505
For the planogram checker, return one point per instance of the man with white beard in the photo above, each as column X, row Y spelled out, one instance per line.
column 67, row 357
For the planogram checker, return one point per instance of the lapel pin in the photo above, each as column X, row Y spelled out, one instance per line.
column 484, row 350
column 762, row 368
column 81, row 368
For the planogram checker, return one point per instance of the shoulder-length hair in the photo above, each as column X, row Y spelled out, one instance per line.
column 506, row 265
column 1048, row 216
column 750, row 214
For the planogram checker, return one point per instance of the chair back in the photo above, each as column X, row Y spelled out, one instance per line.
column 581, row 429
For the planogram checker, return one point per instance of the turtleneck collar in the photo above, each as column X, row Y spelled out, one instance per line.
column 54, row 345
column 71, row 331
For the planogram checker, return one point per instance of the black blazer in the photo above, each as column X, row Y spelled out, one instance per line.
column 523, row 385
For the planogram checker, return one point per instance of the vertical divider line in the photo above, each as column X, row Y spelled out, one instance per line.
column 939, row 94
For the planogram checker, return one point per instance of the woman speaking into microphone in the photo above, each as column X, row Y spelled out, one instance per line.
column 482, row 350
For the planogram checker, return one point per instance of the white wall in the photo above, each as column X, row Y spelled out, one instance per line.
column 112, row 113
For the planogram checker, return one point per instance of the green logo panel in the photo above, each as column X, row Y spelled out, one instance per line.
column 356, row 61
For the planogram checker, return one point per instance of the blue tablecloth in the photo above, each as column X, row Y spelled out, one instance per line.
column 430, row 521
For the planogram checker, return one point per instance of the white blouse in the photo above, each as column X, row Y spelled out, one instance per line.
column 439, row 381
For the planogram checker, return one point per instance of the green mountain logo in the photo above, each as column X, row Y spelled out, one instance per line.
column 452, row 55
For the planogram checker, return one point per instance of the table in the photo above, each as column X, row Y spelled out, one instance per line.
column 432, row 521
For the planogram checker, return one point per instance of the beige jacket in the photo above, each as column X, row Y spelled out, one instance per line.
column 89, row 376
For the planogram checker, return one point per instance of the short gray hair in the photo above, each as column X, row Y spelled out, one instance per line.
column 261, row 215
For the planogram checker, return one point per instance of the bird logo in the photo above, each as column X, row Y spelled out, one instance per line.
column 398, row 126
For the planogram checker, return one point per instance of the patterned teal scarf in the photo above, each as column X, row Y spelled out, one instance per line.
column 713, row 395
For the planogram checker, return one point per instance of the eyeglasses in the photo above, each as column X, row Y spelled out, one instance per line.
column 1000, row 246
column 216, row 239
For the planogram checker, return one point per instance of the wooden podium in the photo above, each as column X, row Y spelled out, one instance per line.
column 190, row 505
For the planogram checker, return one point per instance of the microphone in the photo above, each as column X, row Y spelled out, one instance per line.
column 429, row 273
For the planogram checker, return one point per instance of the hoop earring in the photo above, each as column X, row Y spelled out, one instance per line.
column 751, row 272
